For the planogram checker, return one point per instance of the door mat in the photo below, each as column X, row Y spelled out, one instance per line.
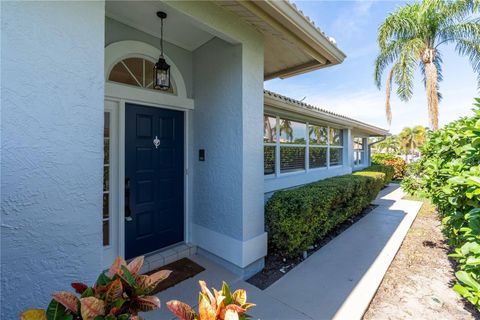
column 181, row 270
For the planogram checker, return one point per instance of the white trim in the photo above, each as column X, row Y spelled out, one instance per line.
column 118, row 51
column 120, row 192
column 111, row 251
column 119, row 95
column 228, row 248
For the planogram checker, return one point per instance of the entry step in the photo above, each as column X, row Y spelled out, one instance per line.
column 165, row 256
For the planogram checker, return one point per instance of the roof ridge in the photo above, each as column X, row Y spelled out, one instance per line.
column 313, row 107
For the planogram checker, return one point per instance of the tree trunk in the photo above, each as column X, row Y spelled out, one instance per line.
column 431, row 85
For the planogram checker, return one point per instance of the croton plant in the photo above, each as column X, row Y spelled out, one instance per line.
column 118, row 294
column 221, row 305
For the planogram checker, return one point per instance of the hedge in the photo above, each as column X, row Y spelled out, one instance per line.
column 396, row 162
column 297, row 218
column 389, row 171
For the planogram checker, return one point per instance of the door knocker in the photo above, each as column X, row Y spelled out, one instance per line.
column 156, row 142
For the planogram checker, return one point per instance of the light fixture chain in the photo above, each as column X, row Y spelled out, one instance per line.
column 161, row 37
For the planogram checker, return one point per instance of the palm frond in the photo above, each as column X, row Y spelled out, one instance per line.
column 406, row 66
column 398, row 25
column 469, row 29
column 386, row 57
column 470, row 49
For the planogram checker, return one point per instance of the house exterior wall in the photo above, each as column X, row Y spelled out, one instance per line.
column 228, row 186
column 52, row 149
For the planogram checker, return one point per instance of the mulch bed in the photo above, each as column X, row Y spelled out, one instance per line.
column 181, row 270
column 277, row 266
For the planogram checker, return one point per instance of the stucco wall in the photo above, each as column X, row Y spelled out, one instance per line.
column 228, row 187
column 217, row 121
column 116, row 31
column 52, row 149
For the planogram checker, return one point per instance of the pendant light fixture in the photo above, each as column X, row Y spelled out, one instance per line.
column 161, row 70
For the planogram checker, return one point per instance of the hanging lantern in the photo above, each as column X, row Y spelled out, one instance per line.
column 161, row 70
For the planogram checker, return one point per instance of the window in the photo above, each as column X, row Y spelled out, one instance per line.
column 269, row 139
column 336, row 147
column 136, row 72
column 318, row 141
column 294, row 146
column 358, row 151
column 106, row 179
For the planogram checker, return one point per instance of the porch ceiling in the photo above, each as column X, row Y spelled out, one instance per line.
column 293, row 45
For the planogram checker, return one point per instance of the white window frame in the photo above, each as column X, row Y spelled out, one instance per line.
column 360, row 152
column 307, row 146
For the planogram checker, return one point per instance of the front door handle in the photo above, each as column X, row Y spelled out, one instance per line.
column 128, row 211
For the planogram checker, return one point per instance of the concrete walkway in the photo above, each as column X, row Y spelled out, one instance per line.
column 336, row 282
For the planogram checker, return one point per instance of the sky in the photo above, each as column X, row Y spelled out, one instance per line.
column 349, row 88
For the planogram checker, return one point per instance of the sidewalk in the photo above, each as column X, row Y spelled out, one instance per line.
column 338, row 281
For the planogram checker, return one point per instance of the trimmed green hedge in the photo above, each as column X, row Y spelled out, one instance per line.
column 297, row 218
column 389, row 171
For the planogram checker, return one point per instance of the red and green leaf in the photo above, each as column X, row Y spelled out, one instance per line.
column 147, row 303
column 116, row 267
column 135, row 265
column 79, row 287
column 114, row 291
column 154, row 279
column 91, row 307
column 67, row 299
column 182, row 310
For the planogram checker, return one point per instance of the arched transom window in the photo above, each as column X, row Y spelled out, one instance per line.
column 136, row 71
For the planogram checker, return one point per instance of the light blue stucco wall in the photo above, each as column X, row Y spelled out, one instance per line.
column 217, row 121
column 228, row 212
column 116, row 31
column 52, row 149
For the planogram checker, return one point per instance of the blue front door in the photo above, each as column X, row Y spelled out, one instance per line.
column 154, row 169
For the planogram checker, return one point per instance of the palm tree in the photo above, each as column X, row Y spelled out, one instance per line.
column 317, row 134
column 286, row 126
column 390, row 144
column 413, row 34
column 411, row 139
column 269, row 131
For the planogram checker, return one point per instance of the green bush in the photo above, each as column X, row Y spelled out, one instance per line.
column 297, row 218
column 389, row 171
column 398, row 164
column 378, row 158
column 449, row 174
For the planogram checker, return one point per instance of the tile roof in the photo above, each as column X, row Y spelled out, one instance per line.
column 304, row 105
column 312, row 23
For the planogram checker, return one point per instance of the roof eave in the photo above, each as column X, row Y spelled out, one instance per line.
column 322, row 115
column 297, row 29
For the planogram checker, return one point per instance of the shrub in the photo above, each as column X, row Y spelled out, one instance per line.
column 398, row 164
column 297, row 218
column 449, row 174
column 378, row 158
column 120, row 293
column 221, row 305
column 388, row 171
